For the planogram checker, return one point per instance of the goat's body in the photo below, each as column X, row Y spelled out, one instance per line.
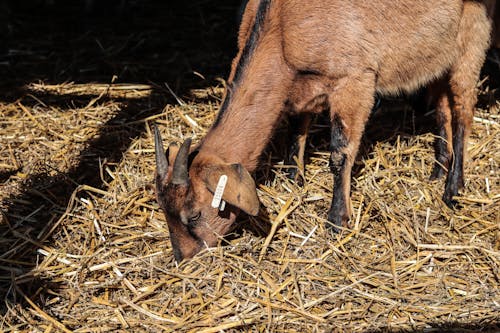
column 306, row 48
column 340, row 53
column 356, row 36
column 302, row 57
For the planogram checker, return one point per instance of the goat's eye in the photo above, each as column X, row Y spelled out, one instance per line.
column 195, row 217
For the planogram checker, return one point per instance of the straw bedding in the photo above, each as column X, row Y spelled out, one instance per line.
column 85, row 247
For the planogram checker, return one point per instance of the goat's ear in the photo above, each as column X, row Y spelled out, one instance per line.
column 240, row 189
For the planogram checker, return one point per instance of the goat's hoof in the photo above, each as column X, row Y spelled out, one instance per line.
column 336, row 222
column 449, row 201
column 454, row 184
column 294, row 174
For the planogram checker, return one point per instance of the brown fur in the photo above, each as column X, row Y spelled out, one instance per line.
column 316, row 54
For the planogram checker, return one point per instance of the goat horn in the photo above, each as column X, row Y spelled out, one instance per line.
column 180, row 171
column 161, row 158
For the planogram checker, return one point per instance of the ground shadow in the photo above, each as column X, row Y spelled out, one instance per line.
column 153, row 42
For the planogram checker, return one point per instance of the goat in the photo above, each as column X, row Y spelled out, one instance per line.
column 301, row 57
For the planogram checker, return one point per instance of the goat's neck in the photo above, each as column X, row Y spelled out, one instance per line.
column 252, row 110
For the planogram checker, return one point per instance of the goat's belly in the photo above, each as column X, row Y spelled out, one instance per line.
column 407, row 72
column 416, row 50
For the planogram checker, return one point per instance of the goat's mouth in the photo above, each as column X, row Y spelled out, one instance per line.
column 188, row 249
column 187, row 241
column 185, row 248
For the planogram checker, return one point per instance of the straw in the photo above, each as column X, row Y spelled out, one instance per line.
column 410, row 263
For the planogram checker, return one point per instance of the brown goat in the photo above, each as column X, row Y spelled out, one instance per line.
column 301, row 57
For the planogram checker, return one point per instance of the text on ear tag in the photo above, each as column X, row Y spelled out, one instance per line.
column 219, row 191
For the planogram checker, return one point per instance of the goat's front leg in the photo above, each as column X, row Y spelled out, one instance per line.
column 350, row 105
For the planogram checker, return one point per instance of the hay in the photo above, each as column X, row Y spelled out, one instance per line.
column 104, row 262
column 84, row 246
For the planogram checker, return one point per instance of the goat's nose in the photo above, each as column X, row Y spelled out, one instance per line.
column 186, row 250
column 177, row 253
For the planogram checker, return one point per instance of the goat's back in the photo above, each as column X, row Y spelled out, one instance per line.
column 406, row 43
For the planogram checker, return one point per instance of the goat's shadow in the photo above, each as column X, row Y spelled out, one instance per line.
column 57, row 42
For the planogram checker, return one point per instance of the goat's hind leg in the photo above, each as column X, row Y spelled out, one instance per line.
column 350, row 104
column 474, row 38
column 443, row 142
column 307, row 97
column 299, row 128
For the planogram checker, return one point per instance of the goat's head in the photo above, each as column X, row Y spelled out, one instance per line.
column 185, row 187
